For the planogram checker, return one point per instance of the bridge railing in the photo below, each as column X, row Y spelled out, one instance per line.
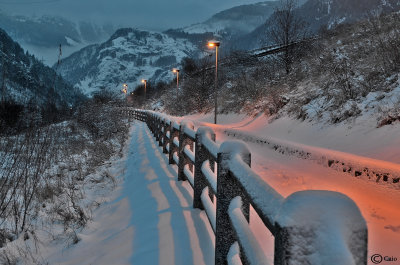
column 309, row 227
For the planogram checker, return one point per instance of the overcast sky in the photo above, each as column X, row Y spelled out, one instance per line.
column 144, row 14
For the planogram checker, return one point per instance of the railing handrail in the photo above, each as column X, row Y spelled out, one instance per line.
column 225, row 171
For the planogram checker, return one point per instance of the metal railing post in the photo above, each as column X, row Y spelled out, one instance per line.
column 183, row 141
column 201, row 155
column 227, row 189
column 167, row 128
column 172, row 148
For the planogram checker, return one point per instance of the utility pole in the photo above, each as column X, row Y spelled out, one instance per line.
column 58, row 64
column 3, row 84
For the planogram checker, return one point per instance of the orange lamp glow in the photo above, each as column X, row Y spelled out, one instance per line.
column 213, row 43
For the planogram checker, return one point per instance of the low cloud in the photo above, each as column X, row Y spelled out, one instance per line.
column 149, row 14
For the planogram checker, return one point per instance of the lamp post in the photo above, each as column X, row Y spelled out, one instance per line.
column 144, row 81
column 176, row 71
column 125, row 88
column 215, row 44
column 125, row 91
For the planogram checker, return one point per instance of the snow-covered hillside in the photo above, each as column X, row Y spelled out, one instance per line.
column 322, row 13
column 235, row 21
column 127, row 57
column 334, row 12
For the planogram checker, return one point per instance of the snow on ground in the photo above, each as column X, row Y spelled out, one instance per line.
column 288, row 174
column 361, row 138
column 363, row 154
column 149, row 218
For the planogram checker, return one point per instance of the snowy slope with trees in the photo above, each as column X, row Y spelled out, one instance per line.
column 25, row 79
column 349, row 75
column 53, row 176
column 236, row 21
column 321, row 14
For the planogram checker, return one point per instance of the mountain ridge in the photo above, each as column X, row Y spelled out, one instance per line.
column 43, row 35
column 126, row 57
column 320, row 14
column 139, row 60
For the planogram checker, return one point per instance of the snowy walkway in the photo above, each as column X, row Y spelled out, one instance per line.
column 167, row 230
column 149, row 218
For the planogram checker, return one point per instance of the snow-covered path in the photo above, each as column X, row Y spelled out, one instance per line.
column 148, row 219
column 151, row 219
column 167, row 230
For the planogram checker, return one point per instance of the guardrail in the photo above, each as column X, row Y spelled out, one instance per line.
column 309, row 227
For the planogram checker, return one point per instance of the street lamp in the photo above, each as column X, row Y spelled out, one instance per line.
column 144, row 81
column 176, row 71
column 212, row 44
column 125, row 88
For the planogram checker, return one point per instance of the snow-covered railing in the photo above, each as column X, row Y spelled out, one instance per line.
column 138, row 115
column 310, row 227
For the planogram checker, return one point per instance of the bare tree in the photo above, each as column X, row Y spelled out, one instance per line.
column 287, row 28
column 384, row 33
